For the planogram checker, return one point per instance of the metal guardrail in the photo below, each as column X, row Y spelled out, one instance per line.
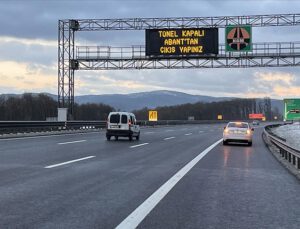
column 36, row 126
column 178, row 122
column 289, row 153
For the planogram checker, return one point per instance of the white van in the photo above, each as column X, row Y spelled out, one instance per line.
column 122, row 124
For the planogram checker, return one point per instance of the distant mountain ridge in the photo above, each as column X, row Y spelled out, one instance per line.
column 152, row 99
column 135, row 101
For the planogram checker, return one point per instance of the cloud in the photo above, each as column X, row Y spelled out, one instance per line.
column 287, row 92
column 269, row 77
column 15, row 77
column 28, row 42
column 39, row 19
column 33, row 51
column 28, row 48
column 91, row 83
column 214, row 82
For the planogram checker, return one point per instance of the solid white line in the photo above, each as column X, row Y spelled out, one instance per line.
column 139, row 145
column 188, row 134
column 68, row 162
column 64, row 143
column 137, row 216
column 168, row 138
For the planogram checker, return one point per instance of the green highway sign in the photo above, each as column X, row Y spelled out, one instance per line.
column 238, row 38
column 291, row 109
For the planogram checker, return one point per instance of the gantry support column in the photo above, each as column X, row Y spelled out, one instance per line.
column 66, row 68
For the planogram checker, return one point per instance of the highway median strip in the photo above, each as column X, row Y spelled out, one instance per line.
column 68, row 162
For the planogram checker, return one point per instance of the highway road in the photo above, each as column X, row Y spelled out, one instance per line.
column 174, row 177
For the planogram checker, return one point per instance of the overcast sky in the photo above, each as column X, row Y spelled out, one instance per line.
column 28, row 48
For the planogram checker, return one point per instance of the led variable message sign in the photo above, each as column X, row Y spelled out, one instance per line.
column 182, row 42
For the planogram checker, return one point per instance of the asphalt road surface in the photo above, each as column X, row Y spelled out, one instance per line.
column 174, row 177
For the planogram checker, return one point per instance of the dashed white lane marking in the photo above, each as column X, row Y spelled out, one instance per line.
column 68, row 162
column 150, row 132
column 169, row 130
column 137, row 216
column 168, row 138
column 65, row 143
column 201, row 131
column 139, row 145
column 184, row 129
column 188, row 134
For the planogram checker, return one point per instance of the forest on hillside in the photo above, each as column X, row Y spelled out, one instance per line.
column 29, row 107
column 38, row 107
column 236, row 109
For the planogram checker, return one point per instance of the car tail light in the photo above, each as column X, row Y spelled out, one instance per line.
column 248, row 131
column 226, row 130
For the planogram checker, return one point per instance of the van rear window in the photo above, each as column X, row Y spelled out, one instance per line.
column 115, row 118
column 124, row 119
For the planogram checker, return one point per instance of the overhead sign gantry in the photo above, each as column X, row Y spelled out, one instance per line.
column 172, row 43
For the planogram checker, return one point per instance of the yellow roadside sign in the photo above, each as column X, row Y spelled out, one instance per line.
column 153, row 116
column 220, row 117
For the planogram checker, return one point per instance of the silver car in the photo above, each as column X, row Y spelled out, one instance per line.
column 238, row 132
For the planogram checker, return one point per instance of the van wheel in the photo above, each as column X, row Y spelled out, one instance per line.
column 130, row 137
column 249, row 143
column 108, row 137
column 116, row 138
column 225, row 143
column 138, row 137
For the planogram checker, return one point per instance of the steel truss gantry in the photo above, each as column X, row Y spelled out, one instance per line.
column 280, row 54
column 275, row 54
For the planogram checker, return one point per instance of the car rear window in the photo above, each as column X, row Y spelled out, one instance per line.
column 124, row 119
column 238, row 125
column 115, row 118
